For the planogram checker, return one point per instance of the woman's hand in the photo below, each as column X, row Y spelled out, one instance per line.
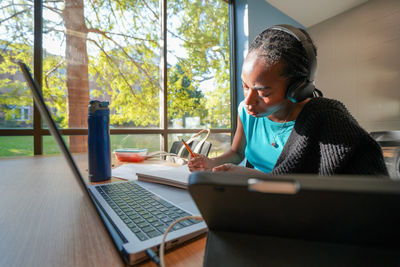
column 200, row 163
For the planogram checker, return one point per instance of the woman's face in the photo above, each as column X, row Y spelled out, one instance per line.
column 264, row 87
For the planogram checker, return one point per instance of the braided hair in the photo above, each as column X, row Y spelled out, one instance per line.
column 276, row 46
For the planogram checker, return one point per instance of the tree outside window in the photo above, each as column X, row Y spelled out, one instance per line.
column 109, row 50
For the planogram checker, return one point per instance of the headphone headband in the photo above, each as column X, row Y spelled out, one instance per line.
column 307, row 45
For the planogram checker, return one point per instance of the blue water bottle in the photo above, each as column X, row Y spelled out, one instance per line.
column 99, row 141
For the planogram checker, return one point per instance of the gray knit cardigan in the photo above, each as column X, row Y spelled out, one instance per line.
column 327, row 140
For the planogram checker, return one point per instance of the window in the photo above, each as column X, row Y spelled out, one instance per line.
column 198, row 64
column 16, row 43
column 21, row 114
column 111, row 51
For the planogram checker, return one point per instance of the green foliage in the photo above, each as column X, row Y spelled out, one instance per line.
column 54, row 88
column 184, row 99
column 13, row 93
column 204, row 27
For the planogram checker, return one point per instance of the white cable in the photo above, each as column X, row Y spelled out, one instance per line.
column 199, row 218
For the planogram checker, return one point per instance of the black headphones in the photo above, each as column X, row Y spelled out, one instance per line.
column 303, row 87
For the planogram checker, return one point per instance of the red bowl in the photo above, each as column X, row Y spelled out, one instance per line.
column 130, row 155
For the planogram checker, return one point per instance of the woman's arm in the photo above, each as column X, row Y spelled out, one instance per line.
column 234, row 155
column 229, row 167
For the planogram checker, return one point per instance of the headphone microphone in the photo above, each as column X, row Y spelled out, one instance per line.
column 303, row 87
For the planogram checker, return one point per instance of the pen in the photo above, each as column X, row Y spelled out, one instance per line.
column 188, row 148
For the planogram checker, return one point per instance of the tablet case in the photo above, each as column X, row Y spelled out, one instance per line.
column 298, row 219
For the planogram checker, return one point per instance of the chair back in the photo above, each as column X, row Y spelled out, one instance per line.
column 178, row 147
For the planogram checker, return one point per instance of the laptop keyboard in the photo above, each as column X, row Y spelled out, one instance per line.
column 143, row 212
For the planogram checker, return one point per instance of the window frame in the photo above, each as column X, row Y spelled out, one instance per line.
column 38, row 131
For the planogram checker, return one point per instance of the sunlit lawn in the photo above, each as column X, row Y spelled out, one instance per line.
column 11, row 146
column 16, row 146
column 23, row 145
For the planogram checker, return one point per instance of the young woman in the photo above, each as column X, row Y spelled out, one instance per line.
column 281, row 127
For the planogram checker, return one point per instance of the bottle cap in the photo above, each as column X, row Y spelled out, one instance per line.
column 97, row 105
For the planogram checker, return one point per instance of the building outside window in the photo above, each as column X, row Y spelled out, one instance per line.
column 21, row 113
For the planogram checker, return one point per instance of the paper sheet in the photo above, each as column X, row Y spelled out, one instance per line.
column 128, row 171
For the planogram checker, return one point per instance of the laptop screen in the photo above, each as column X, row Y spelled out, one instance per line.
column 44, row 111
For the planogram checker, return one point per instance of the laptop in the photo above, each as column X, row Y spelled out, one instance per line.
column 298, row 220
column 135, row 216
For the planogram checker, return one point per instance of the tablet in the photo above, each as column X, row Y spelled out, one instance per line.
column 361, row 210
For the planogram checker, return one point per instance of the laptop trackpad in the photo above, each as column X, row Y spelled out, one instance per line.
column 234, row 249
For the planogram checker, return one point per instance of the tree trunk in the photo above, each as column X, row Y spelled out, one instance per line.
column 77, row 71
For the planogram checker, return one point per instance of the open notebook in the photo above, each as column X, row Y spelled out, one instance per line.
column 155, row 173
column 177, row 176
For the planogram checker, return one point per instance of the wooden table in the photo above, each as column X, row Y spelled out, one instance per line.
column 46, row 220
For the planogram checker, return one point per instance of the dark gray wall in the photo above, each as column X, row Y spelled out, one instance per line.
column 359, row 62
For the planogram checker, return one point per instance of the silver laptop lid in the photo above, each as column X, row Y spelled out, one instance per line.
column 44, row 111
column 130, row 247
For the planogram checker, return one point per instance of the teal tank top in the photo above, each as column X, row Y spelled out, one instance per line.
column 260, row 135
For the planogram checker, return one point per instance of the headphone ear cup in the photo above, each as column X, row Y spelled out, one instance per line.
column 299, row 90
column 294, row 89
